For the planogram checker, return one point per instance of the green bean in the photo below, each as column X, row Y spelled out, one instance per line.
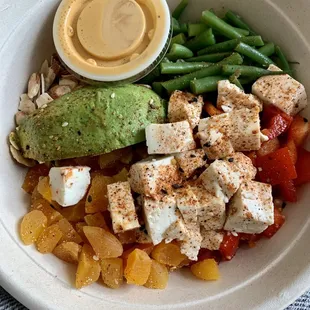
column 183, row 82
column 158, row 89
column 183, row 28
column 196, row 29
column 177, row 27
column 250, row 71
column 201, row 41
column 242, row 31
column 246, row 80
column 253, row 54
column 209, row 58
column 178, row 39
column 234, row 79
column 178, row 11
column 178, row 51
column 268, row 49
column 222, row 27
column 205, row 85
column 284, row 64
column 182, row 67
column 229, row 45
column 151, row 77
column 237, row 21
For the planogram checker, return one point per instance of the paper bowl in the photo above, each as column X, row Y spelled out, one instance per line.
column 269, row 276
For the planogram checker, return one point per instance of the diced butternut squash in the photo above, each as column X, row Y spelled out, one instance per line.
column 32, row 177
column 43, row 205
column 44, row 189
column 79, row 229
column 96, row 200
column 147, row 248
column 159, row 276
column 88, row 270
column 122, row 176
column 168, row 254
column 48, row 239
column 103, row 242
column 112, row 272
column 32, row 226
column 68, row 252
column 35, row 195
column 206, row 270
column 96, row 220
column 109, row 159
column 75, row 213
column 138, row 267
column 69, row 234
column 211, row 109
column 127, row 237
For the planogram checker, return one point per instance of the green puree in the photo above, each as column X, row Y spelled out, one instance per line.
column 90, row 121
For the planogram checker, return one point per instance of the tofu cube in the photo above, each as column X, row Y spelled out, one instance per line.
column 210, row 209
column 251, row 209
column 152, row 177
column 177, row 230
column 122, row 207
column 211, row 239
column 190, row 161
column 191, row 246
column 69, row 184
column 231, row 97
column 159, row 215
column 282, row 91
column 185, row 106
column 169, row 138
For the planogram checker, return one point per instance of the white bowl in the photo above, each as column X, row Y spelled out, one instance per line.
column 269, row 276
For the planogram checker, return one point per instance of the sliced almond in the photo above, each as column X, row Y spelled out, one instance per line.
column 69, row 80
column 59, row 91
column 19, row 116
column 17, row 155
column 26, row 105
column 49, row 78
column 55, row 64
column 42, row 83
column 33, row 85
column 44, row 68
column 14, row 141
column 43, row 100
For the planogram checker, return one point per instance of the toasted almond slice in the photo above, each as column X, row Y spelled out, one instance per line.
column 55, row 64
column 33, row 85
column 26, row 105
column 49, row 78
column 59, row 91
column 14, row 141
column 44, row 68
column 17, row 155
column 69, row 80
column 42, row 84
column 19, row 116
column 43, row 100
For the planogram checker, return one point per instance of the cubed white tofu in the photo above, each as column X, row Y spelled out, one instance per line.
column 191, row 246
column 122, row 207
column 185, row 106
column 224, row 177
column 177, row 230
column 69, row 184
column 190, row 161
column 159, row 215
column 211, row 239
column 251, row 209
column 169, row 138
column 232, row 97
column 152, row 177
column 282, row 91
column 211, row 209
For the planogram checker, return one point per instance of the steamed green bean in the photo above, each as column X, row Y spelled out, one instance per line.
column 206, row 38
column 209, row 58
column 205, row 85
column 182, row 67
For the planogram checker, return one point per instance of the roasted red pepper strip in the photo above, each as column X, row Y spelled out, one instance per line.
column 302, row 167
column 276, row 167
column 229, row 246
column 279, row 220
column 288, row 191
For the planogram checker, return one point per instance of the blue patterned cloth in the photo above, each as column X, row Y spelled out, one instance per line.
column 7, row 302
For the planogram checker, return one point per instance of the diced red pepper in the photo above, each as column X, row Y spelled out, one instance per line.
column 276, row 167
column 250, row 239
column 229, row 246
column 293, row 150
column 211, row 109
column 302, row 167
column 279, row 220
column 288, row 191
column 207, row 254
column 269, row 147
column 299, row 130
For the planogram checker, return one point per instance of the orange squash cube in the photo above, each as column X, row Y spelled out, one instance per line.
column 32, row 177
column 48, row 239
column 159, row 276
column 68, row 252
column 96, row 220
column 69, row 234
column 206, row 270
column 168, row 254
column 112, row 272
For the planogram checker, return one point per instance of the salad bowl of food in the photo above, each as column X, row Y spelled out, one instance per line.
column 184, row 190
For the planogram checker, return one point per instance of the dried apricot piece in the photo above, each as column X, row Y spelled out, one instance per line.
column 48, row 239
column 96, row 220
column 206, row 270
column 96, row 200
column 88, row 270
column 44, row 188
column 159, row 276
column 104, row 243
column 35, row 195
column 138, row 267
column 112, row 272
column 79, row 229
column 43, row 205
column 68, row 252
column 32, row 177
column 32, row 225
column 68, row 232
column 122, row 176
column 168, row 254
column 75, row 213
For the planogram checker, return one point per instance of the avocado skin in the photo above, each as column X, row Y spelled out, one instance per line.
column 100, row 120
